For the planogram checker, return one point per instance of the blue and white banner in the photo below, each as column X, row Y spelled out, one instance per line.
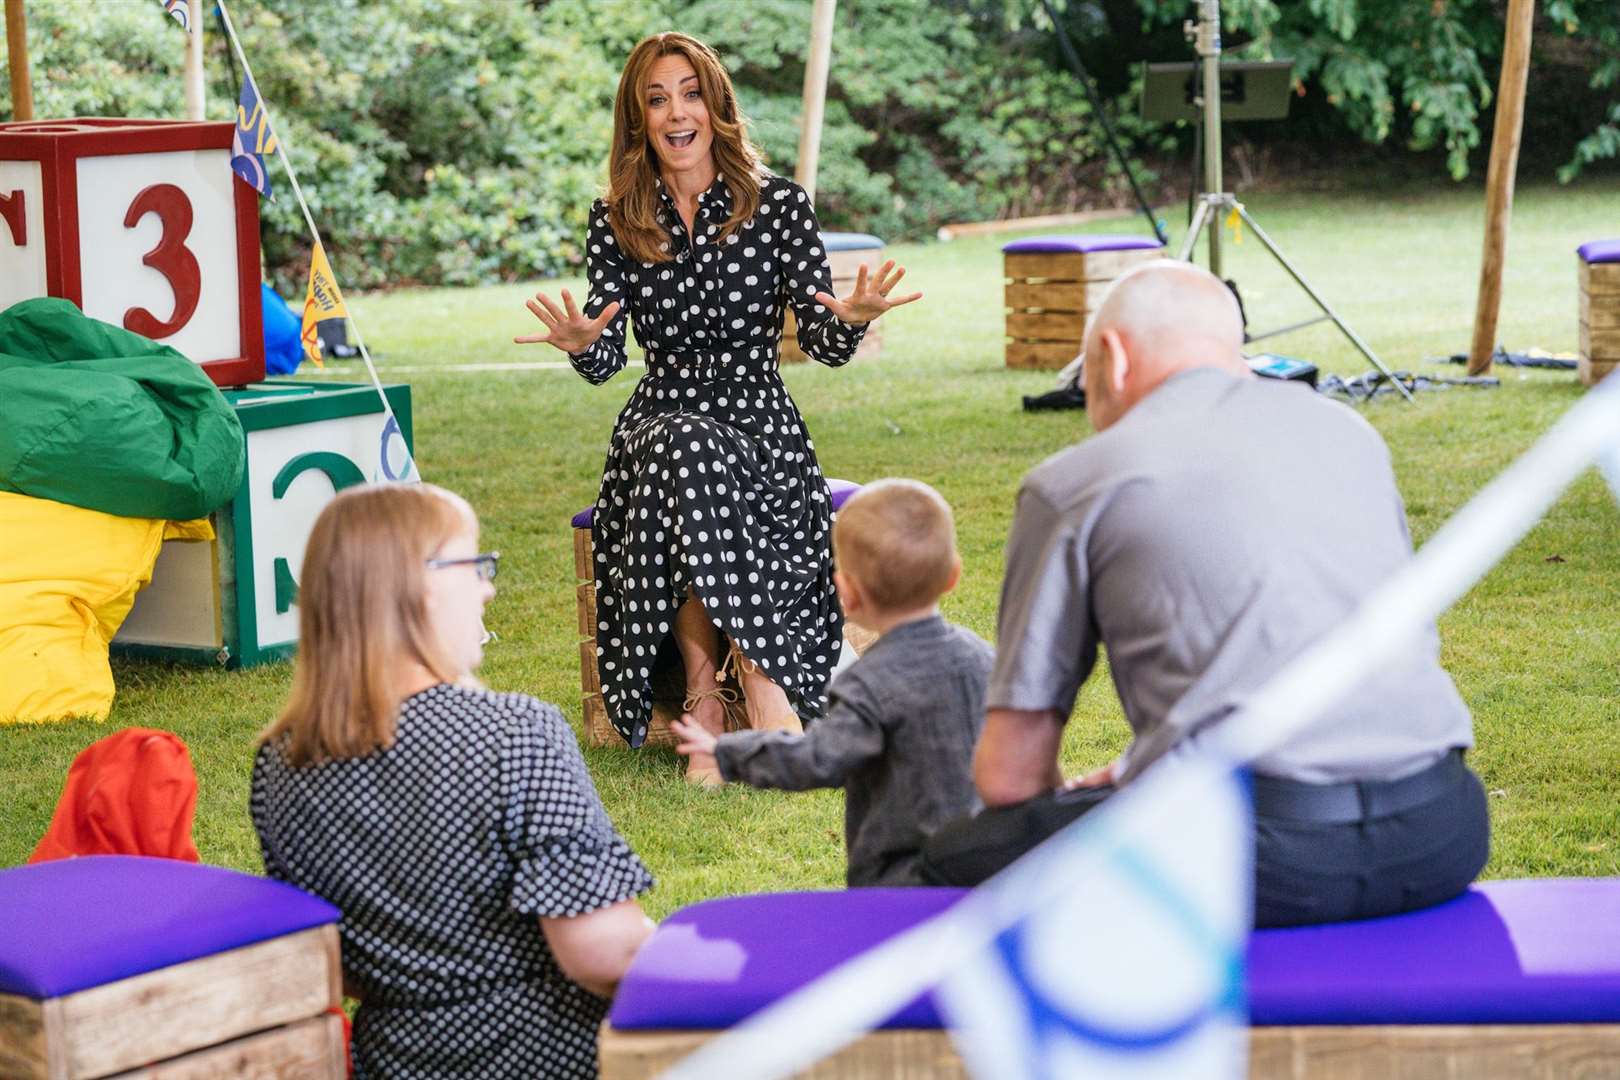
column 181, row 10
column 394, row 460
column 1138, row 972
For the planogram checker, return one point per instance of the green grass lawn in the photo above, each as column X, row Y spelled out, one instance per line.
column 1535, row 648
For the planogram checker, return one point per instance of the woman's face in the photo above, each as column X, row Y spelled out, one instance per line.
column 456, row 596
column 677, row 117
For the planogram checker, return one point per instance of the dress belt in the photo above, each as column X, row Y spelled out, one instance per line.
column 1355, row 800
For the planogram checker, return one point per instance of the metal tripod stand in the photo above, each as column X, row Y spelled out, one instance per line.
column 1213, row 202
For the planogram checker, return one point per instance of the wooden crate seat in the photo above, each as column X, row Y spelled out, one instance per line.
column 1599, row 270
column 1512, row 979
column 135, row 966
column 669, row 685
column 845, row 254
column 1053, row 283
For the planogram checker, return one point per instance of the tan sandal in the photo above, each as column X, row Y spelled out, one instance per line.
column 739, row 665
column 709, row 775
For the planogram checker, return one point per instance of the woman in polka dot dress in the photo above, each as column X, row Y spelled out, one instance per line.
column 713, row 517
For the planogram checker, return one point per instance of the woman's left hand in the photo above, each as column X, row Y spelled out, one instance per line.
column 871, row 296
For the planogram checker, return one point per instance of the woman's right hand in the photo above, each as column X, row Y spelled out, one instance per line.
column 569, row 330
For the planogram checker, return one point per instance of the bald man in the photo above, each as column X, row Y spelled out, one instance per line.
column 1214, row 526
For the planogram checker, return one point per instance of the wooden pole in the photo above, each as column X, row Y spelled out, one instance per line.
column 22, row 88
column 1499, row 180
column 815, row 94
column 196, row 102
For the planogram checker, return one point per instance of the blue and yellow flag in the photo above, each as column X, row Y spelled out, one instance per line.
column 181, row 10
column 253, row 138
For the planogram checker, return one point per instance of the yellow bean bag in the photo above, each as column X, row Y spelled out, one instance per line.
column 68, row 577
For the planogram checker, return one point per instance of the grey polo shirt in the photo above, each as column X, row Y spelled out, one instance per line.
column 1213, row 532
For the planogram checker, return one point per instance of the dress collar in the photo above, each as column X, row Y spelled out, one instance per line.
column 714, row 202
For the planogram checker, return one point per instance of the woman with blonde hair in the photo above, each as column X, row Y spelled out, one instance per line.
column 488, row 903
column 713, row 518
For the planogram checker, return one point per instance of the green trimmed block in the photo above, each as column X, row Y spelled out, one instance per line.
column 233, row 601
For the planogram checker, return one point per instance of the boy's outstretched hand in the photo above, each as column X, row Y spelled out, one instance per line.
column 694, row 738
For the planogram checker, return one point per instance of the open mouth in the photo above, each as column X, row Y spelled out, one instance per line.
column 679, row 139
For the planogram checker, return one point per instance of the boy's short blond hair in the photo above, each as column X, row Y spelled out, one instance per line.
column 897, row 540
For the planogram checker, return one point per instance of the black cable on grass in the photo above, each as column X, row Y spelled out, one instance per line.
column 1507, row 359
column 1375, row 383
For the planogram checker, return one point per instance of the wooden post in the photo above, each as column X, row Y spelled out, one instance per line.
column 22, row 88
column 195, row 100
column 815, row 94
column 1499, row 180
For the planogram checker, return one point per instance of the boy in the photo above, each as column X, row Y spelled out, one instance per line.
column 901, row 721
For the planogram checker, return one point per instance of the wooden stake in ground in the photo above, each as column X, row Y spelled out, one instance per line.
column 22, row 88
column 815, row 94
column 1499, row 180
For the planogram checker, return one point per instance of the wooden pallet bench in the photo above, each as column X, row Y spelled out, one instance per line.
column 1599, row 269
column 1514, row 980
column 128, row 966
column 1054, row 283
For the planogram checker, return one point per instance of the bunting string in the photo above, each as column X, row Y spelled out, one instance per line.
column 265, row 141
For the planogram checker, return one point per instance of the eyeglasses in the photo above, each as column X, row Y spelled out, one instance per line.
column 485, row 564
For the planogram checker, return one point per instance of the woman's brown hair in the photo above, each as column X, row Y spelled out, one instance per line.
column 362, row 609
column 632, row 197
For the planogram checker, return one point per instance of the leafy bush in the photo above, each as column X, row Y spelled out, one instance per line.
column 456, row 142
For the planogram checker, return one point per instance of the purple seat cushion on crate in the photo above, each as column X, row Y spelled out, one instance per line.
column 76, row 923
column 849, row 241
column 1082, row 243
column 1600, row 251
column 713, row 963
column 840, row 490
column 1505, row 952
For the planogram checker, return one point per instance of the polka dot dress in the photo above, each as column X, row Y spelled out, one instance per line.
column 442, row 851
column 711, row 482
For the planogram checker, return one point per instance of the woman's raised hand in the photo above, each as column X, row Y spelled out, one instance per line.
column 570, row 331
column 871, row 296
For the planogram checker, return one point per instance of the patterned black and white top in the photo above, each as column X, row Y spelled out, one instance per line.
column 711, row 482
column 442, row 851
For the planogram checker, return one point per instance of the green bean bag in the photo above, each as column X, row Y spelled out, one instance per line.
column 95, row 416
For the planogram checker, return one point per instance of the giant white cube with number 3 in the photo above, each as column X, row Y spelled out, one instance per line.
column 142, row 224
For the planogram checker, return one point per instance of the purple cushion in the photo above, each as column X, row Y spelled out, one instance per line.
column 1505, row 952
column 849, row 241
column 840, row 490
column 713, row 963
column 77, row 923
column 1600, row 251
column 1082, row 243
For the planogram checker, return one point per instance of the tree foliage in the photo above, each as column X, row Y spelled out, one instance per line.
column 454, row 141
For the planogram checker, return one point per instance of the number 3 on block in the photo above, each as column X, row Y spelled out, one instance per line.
column 171, row 258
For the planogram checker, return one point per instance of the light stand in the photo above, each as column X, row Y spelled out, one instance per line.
column 1214, row 202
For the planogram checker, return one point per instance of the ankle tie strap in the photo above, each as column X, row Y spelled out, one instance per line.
column 738, row 664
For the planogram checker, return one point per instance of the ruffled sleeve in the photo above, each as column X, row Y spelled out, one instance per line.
column 568, row 857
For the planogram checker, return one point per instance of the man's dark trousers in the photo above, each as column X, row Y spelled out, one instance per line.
column 1323, row 852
